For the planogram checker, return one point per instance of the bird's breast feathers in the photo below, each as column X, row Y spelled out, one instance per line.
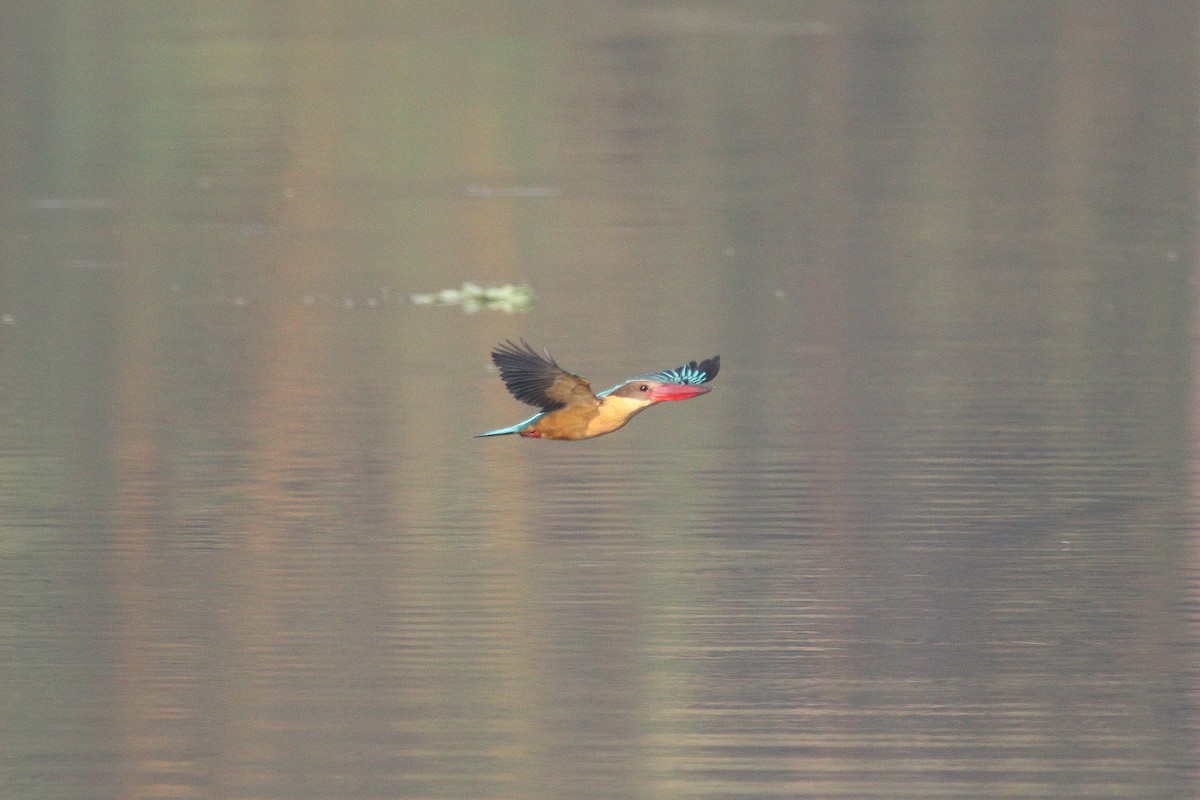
column 581, row 422
column 613, row 413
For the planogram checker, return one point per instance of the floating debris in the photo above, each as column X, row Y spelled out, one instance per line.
column 472, row 297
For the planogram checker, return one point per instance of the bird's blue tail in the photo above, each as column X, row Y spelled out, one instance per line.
column 500, row 431
column 520, row 426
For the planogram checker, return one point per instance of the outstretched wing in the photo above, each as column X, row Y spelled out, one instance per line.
column 538, row 380
column 690, row 373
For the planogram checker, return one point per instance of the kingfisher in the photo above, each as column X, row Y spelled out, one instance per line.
column 571, row 410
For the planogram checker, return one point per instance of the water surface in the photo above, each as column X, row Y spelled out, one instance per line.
column 931, row 534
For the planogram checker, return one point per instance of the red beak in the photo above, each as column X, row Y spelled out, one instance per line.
column 675, row 391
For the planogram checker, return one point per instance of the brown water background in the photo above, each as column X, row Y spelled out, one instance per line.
column 931, row 535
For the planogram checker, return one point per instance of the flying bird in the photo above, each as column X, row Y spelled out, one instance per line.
column 569, row 407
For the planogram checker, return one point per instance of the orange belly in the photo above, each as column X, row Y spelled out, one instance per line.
column 576, row 422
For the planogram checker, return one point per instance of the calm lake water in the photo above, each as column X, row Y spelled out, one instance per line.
column 932, row 534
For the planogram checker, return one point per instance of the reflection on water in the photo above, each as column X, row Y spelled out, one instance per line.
column 929, row 536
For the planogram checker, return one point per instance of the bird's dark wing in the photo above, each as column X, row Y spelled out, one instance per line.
column 690, row 373
column 538, row 380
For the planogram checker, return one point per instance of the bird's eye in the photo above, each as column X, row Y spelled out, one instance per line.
column 643, row 388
